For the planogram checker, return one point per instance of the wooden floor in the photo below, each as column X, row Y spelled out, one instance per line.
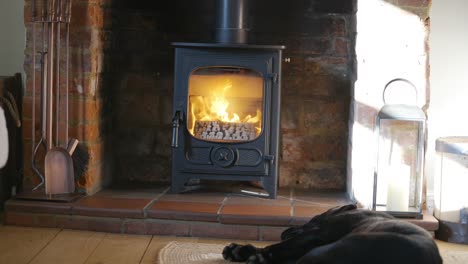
column 51, row 245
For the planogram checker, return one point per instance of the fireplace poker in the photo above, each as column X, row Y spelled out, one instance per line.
column 43, row 86
column 57, row 70
column 33, row 20
column 67, row 60
column 33, row 88
column 50, row 74
column 43, row 74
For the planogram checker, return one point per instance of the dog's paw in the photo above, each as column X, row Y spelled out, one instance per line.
column 236, row 252
column 228, row 252
column 257, row 259
column 231, row 252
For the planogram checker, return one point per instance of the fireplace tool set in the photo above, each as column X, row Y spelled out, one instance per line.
column 48, row 17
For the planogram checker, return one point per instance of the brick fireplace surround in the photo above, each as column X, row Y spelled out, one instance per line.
column 121, row 108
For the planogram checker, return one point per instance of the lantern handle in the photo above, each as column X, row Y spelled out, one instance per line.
column 399, row 80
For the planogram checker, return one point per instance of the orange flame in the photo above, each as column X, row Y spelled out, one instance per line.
column 226, row 99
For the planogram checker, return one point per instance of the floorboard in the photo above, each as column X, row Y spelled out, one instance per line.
column 42, row 245
column 120, row 249
column 70, row 246
column 21, row 244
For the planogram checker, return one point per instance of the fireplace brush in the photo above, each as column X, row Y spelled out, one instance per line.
column 58, row 174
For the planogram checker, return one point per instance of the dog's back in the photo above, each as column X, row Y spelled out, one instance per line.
column 373, row 237
column 345, row 235
column 376, row 248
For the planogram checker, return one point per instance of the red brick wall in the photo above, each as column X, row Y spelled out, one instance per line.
column 122, row 74
column 316, row 84
column 316, row 87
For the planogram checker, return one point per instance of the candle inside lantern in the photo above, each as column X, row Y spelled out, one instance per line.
column 398, row 188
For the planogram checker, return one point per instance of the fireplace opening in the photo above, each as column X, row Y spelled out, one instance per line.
column 225, row 104
column 122, row 81
column 138, row 87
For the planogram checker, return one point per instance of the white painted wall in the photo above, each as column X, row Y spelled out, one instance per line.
column 448, row 107
column 12, row 37
column 389, row 45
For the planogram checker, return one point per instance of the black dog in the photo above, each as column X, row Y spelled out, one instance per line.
column 345, row 235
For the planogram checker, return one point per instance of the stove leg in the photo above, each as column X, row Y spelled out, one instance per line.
column 270, row 185
column 178, row 184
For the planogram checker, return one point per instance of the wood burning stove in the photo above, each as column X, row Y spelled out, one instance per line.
column 226, row 107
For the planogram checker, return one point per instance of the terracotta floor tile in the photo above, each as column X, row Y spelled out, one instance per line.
column 231, row 188
column 308, row 211
column 44, row 207
column 111, row 207
column 238, row 199
column 137, row 193
column 212, row 198
column 302, row 214
column 185, row 206
column 192, row 211
column 253, row 209
column 255, row 214
column 285, row 192
column 309, row 198
column 40, row 195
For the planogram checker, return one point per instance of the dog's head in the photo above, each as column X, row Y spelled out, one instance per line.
column 332, row 212
column 316, row 221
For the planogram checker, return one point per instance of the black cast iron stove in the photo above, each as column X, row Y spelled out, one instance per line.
column 227, row 106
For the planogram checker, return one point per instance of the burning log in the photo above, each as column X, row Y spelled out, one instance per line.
column 219, row 130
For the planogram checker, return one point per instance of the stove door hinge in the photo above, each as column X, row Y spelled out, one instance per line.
column 273, row 76
column 269, row 158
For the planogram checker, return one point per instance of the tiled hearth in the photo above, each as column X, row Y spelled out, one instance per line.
column 206, row 213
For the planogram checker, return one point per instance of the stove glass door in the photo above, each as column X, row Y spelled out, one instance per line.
column 225, row 104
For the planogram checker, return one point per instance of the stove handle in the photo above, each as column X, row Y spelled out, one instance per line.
column 176, row 120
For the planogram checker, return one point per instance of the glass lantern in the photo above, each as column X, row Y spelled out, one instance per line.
column 398, row 176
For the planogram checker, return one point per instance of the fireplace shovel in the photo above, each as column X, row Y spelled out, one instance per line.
column 59, row 169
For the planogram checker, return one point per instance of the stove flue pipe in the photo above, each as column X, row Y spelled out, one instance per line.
column 231, row 23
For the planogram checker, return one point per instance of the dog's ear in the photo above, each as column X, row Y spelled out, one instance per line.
column 341, row 209
column 348, row 207
column 331, row 212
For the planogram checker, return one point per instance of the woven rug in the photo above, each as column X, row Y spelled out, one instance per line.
column 198, row 253
column 186, row 252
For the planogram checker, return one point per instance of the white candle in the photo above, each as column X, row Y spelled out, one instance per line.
column 398, row 188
